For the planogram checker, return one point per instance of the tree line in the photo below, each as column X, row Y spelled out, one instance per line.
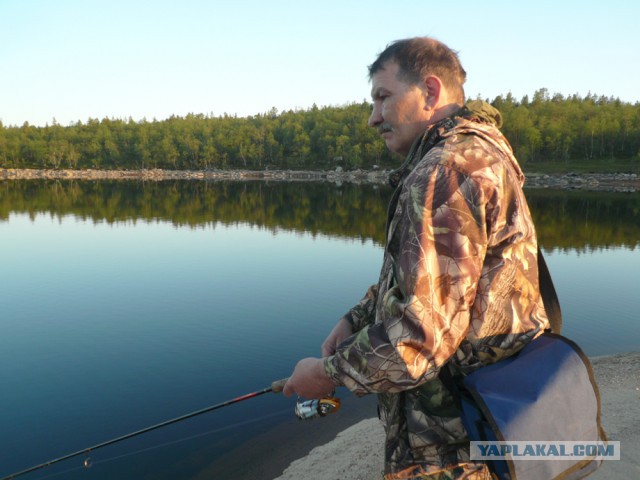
column 545, row 128
column 554, row 128
column 325, row 138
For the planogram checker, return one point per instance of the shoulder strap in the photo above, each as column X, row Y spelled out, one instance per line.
column 549, row 295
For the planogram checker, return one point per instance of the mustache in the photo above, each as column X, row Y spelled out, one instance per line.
column 384, row 128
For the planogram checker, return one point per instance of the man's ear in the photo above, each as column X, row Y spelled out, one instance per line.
column 434, row 90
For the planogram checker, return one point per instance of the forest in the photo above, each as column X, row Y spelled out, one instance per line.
column 543, row 130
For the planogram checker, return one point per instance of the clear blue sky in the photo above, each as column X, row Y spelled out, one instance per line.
column 78, row 59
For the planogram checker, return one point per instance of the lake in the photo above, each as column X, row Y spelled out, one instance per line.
column 125, row 304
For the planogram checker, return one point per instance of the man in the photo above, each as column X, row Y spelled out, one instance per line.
column 458, row 287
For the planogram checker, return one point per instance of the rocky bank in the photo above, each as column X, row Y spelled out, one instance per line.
column 618, row 182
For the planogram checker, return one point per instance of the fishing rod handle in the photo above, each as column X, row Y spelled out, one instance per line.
column 278, row 385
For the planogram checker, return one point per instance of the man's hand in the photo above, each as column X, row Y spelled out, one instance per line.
column 340, row 332
column 309, row 380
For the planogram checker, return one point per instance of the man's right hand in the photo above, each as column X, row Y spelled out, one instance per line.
column 340, row 332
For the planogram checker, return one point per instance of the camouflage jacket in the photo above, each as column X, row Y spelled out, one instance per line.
column 458, row 284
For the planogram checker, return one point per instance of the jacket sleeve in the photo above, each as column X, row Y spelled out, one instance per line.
column 363, row 313
column 436, row 246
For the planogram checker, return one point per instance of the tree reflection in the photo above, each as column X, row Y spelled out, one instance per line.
column 564, row 219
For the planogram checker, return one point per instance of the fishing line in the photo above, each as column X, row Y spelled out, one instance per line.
column 276, row 387
column 304, row 410
column 191, row 437
column 166, row 444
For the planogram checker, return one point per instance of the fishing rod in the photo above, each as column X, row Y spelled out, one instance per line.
column 304, row 410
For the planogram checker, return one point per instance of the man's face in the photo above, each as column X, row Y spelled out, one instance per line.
column 399, row 109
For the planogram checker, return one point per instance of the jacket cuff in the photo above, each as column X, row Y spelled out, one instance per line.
column 332, row 371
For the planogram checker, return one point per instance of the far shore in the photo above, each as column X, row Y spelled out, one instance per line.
column 620, row 182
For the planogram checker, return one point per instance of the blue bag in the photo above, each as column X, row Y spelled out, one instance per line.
column 545, row 393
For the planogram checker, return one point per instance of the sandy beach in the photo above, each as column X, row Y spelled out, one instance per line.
column 356, row 452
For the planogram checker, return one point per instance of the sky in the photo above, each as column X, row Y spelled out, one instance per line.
column 72, row 60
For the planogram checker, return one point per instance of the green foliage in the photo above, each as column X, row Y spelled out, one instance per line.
column 316, row 138
column 548, row 130
column 572, row 133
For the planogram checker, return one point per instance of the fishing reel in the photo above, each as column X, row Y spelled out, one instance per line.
column 308, row 409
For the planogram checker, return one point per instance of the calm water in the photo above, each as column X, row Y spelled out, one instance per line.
column 126, row 304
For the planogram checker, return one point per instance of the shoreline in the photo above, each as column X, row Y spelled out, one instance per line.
column 610, row 182
column 356, row 452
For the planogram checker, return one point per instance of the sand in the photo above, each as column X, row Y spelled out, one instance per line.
column 356, row 453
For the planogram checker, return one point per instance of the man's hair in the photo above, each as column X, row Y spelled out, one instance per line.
column 420, row 57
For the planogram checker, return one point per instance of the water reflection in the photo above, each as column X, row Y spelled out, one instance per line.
column 565, row 219
column 128, row 303
column 585, row 221
column 111, row 327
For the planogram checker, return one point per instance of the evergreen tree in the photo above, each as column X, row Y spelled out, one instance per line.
column 544, row 129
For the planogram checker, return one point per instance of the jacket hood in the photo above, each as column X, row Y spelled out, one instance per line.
column 481, row 112
column 482, row 119
column 477, row 118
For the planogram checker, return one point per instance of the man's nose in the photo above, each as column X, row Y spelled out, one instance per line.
column 375, row 118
